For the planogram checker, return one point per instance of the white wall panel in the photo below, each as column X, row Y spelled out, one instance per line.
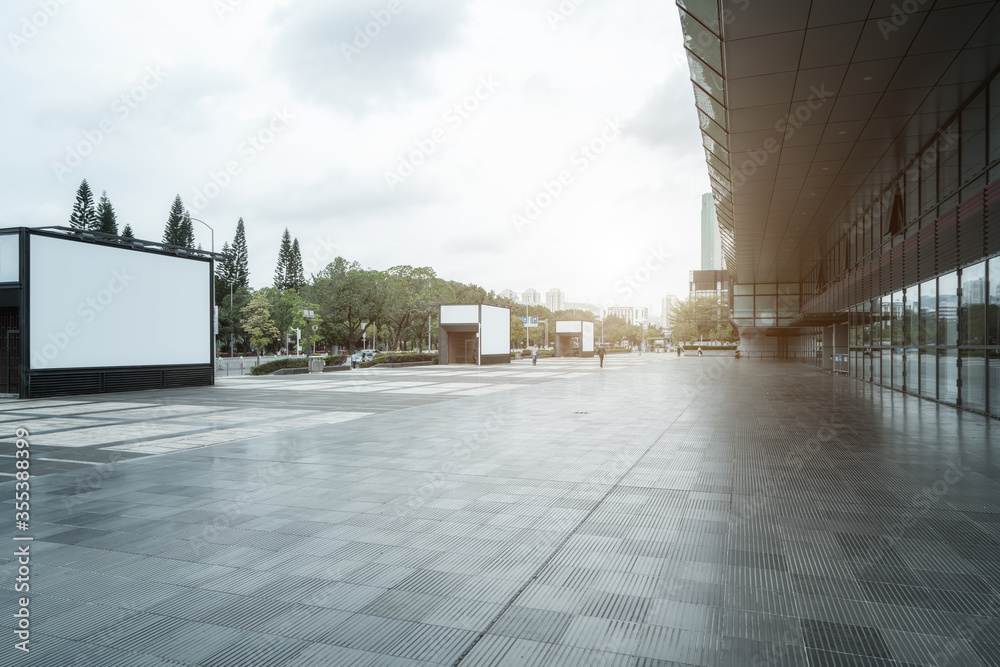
column 97, row 306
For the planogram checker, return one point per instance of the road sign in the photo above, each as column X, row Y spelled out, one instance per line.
column 529, row 321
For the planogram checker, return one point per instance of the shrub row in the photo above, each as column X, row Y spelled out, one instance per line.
column 334, row 360
column 399, row 358
column 277, row 365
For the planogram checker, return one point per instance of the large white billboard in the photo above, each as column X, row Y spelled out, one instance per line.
column 459, row 314
column 587, row 345
column 495, row 331
column 96, row 306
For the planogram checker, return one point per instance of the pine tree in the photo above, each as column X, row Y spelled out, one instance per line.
column 187, row 231
column 241, row 261
column 281, row 276
column 84, row 216
column 107, row 222
column 296, row 277
column 173, row 233
column 127, row 232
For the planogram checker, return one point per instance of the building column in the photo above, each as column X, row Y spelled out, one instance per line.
column 828, row 348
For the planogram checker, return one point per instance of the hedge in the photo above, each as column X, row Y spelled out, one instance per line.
column 398, row 358
column 334, row 360
column 278, row 364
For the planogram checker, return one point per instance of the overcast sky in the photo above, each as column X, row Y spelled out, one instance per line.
column 418, row 143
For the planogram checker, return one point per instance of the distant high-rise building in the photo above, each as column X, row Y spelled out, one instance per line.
column 711, row 241
column 668, row 305
column 510, row 294
column 631, row 314
column 555, row 299
column 531, row 297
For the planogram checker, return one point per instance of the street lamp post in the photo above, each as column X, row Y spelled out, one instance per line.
column 213, row 280
column 308, row 316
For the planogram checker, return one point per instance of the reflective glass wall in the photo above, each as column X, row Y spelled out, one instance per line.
column 939, row 339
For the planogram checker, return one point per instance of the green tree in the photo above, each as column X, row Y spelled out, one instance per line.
column 127, row 232
column 241, row 258
column 284, row 257
column 258, row 324
column 84, row 215
column 347, row 298
column 107, row 222
column 284, row 306
column 174, row 232
column 700, row 318
column 296, row 275
column 517, row 333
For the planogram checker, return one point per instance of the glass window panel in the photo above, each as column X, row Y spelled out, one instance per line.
column 897, row 319
column 994, row 372
column 706, row 78
column 928, row 373
column 742, row 290
column 710, row 106
column 765, row 288
column 10, row 258
column 886, row 321
column 766, row 308
column 877, row 366
column 948, row 161
column 994, row 302
column 788, row 288
column 973, row 325
column 788, row 305
column 876, row 316
column 701, row 42
column 912, row 379
column 867, row 324
column 948, row 309
column 948, row 376
column 887, row 368
column 706, row 11
column 928, row 313
column 911, row 317
column 995, row 119
column 853, row 357
column 974, row 138
column 743, row 306
column 973, row 387
column 710, row 128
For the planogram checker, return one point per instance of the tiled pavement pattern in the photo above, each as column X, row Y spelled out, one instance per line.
column 77, row 432
column 674, row 512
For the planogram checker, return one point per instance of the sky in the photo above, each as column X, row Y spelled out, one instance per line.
column 519, row 144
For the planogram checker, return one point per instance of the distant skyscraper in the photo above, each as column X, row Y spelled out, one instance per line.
column 531, row 297
column 711, row 241
column 510, row 294
column 555, row 299
column 667, row 305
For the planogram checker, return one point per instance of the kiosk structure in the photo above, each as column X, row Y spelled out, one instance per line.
column 83, row 312
column 474, row 334
column 574, row 338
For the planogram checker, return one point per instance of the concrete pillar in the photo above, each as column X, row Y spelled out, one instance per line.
column 828, row 345
column 841, row 347
column 442, row 346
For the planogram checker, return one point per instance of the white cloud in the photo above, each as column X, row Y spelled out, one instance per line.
column 227, row 72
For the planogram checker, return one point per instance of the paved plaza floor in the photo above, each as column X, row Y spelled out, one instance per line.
column 656, row 512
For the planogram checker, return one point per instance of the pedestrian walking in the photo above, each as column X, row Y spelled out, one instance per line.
column 699, row 351
column 600, row 355
column 679, row 350
column 534, row 355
